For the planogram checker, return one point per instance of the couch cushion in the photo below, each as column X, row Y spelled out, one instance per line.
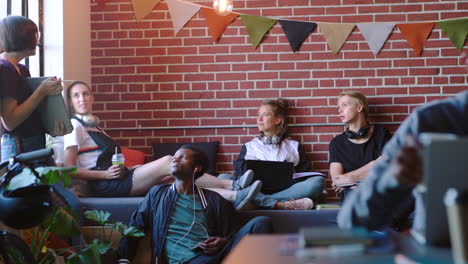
column 209, row 148
column 133, row 157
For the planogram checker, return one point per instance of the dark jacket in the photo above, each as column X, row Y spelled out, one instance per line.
column 154, row 213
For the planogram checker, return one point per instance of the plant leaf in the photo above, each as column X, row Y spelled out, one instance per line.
column 89, row 255
column 132, row 231
column 97, row 215
column 63, row 222
column 51, row 175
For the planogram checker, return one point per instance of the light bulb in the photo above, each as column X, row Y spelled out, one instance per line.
column 222, row 7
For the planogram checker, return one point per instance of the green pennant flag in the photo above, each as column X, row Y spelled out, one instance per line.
column 257, row 27
column 456, row 29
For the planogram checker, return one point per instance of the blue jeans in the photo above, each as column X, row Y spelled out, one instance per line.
column 26, row 144
column 310, row 188
column 258, row 225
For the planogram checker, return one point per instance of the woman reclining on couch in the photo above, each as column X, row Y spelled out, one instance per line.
column 90, row 149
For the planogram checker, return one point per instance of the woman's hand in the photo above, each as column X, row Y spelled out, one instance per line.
column 50, row 86
column 113, row 172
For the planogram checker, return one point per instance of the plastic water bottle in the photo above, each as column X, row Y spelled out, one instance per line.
column 119, row 159
column 8, row 146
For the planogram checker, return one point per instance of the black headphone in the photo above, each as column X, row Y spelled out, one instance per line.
column 270, row 140
column 362, row 132
column 87, row 120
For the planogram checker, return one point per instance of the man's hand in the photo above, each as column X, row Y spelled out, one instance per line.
column 341, row 179
column 407, row 164
column 212, row 245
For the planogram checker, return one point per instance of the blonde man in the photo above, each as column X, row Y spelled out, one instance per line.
column 353, row 152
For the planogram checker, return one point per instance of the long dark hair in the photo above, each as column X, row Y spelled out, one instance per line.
column 280, row 109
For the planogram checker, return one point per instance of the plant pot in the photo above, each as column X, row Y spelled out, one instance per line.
column 110, row 256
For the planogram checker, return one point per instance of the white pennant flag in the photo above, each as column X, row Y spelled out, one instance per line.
column 181, row 12
column 376, row 34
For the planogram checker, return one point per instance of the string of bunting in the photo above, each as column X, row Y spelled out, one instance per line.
column 296, row 32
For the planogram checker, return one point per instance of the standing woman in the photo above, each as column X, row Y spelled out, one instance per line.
column 274, row 145
column 22, row 129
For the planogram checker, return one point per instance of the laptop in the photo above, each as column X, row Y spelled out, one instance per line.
column 445, row 166
column 275, row 175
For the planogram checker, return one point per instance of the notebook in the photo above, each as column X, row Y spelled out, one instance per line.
column 52, row 107
column 275, row 175
column 444, row 166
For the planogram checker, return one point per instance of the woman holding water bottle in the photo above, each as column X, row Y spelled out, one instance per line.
column 93, row 152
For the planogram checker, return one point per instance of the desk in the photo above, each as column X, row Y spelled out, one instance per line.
column 263, row 249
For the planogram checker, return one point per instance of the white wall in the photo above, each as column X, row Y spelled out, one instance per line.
column 67, row 39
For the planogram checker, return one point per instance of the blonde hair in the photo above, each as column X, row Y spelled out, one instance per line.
column 360, row 100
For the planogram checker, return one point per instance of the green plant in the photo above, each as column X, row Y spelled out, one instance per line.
column 62, row 221
column 91, row 253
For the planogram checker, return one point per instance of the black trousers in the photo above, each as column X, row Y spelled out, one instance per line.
column 257, row 225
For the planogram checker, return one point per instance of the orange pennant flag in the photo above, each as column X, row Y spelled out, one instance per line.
column 216, row 23
column 416, row 34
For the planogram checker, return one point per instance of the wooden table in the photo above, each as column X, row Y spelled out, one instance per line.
column 264, row 249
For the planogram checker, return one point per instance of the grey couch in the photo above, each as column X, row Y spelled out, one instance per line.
column 284, row 221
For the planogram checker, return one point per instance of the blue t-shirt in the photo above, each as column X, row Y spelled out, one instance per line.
column 184, row 232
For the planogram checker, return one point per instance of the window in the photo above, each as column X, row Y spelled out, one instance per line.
column 33, row 10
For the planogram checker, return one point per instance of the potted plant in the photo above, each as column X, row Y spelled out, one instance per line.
column 100, row 249
column 44, row 240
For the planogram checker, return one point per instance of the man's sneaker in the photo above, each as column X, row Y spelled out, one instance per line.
column 245, row 195
column 300, row 204
column 243, row 181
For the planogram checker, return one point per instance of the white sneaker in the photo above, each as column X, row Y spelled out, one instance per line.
column 300, row 204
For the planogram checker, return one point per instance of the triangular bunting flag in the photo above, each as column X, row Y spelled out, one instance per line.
column 142, row 8
column 216, row 23
column 456, row 29
column 375, row 34
column 181, row 13
column 336, row 34
column 416, row 34
column 257, row 27
column 296, row 32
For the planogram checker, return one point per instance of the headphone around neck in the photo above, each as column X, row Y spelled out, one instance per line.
column 87, row 120
column 270, row 140
column 362, row 132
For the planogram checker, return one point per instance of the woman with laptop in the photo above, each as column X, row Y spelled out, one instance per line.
column 273, row 145
column 355, row 151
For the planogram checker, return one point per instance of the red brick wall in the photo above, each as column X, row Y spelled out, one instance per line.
column 145, row 77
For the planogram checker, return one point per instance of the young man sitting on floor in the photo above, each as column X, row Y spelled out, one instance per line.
column 188, row 224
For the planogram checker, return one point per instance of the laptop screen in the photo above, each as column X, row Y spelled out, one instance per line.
column 275, row 175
